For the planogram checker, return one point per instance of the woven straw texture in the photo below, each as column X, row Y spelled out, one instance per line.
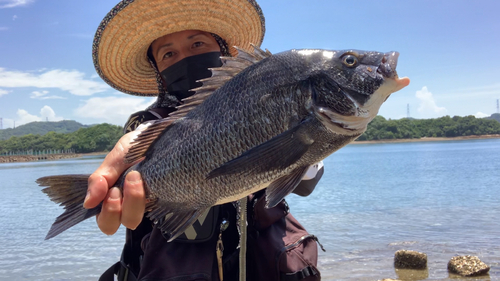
column 123, row 37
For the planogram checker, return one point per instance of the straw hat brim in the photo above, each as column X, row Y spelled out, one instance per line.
column 125, row 34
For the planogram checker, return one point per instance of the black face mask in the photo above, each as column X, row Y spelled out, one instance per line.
column 182, row 76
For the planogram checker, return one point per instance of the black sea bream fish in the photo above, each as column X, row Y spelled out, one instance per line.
column 259, row 122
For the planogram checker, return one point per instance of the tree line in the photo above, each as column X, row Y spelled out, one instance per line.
column 41, row 128
column 408, row 128
column 97, row 138
column 101, row 138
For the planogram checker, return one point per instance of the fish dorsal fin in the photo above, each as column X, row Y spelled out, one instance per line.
column 231, row 66
column 145, row 138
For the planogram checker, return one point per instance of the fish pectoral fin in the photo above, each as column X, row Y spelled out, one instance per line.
column 283, row 186
column 279, row 152
column 173, row 222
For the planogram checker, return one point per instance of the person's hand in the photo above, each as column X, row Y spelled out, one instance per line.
column 117, row 208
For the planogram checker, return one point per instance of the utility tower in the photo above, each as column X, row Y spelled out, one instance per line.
column 498, row 107
column 408, row 111
column 1, row 124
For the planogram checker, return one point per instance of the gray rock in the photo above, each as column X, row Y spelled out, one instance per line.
column 467, row 266
column 410, row 260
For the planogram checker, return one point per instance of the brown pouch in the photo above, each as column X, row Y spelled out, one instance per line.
column 263, row 217
column 280, row 246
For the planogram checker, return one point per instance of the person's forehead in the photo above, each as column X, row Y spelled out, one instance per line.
column 179, row 36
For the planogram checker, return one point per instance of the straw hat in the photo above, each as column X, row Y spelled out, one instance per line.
column 121, row 42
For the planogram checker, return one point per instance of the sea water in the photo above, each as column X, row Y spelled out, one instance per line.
column 439, row 198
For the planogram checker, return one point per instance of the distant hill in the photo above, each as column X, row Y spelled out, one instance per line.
column 41, row 128
column 494, row 116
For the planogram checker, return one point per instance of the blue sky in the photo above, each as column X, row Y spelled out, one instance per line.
column 449, row 49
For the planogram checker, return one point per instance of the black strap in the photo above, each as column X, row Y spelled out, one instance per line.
column 142, row 116
column 299, row 275
column 120, row 270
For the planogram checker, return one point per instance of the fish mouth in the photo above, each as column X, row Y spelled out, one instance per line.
column 388, row 64
column 339, row 123
column 357, row 122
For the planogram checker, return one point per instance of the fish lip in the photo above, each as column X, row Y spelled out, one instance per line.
column 388, row 65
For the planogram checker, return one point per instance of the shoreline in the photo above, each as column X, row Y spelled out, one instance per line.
column 46, row 157
column 430, row 139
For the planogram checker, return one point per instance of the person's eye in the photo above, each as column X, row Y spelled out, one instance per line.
column 198, row 44
column 168, row 55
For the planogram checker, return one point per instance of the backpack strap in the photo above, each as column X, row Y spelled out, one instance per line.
column 142, row 116
column 121, row 270
column 299, row 275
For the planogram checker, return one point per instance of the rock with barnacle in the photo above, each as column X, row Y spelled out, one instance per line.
column 410, row 260
column 467, row 266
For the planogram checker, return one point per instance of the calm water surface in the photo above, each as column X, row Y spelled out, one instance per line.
column 440, row 198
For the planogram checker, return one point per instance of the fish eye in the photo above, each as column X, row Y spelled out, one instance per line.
column 350, row 60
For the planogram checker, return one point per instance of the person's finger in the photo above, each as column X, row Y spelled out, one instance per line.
column 134, row 200
column 110, row 216
column 108, row 172
column 96, row 192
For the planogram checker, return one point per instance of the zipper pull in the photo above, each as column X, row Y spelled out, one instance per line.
column 220, row 248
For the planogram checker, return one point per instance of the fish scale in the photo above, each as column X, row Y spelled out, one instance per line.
column 269, row 119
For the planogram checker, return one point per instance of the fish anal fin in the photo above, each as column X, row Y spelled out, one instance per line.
column 283, row 186
column 279, row 152
column 173, row 222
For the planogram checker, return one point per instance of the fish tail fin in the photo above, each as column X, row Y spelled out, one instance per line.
column 68, row 191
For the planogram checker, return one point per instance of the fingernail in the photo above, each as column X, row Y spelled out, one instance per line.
column 114, row 193
column 86, row 197
column 134, row 177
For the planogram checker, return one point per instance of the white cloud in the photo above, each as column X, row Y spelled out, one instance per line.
column 37, row 94
column 114, row 110
column 24, row 117
column 481, row 115
column 3, row 92
column 14, row 17
column 427, row 103
column 72, row 81
column 14, row 3
column 42, row 95
column 46, row 113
